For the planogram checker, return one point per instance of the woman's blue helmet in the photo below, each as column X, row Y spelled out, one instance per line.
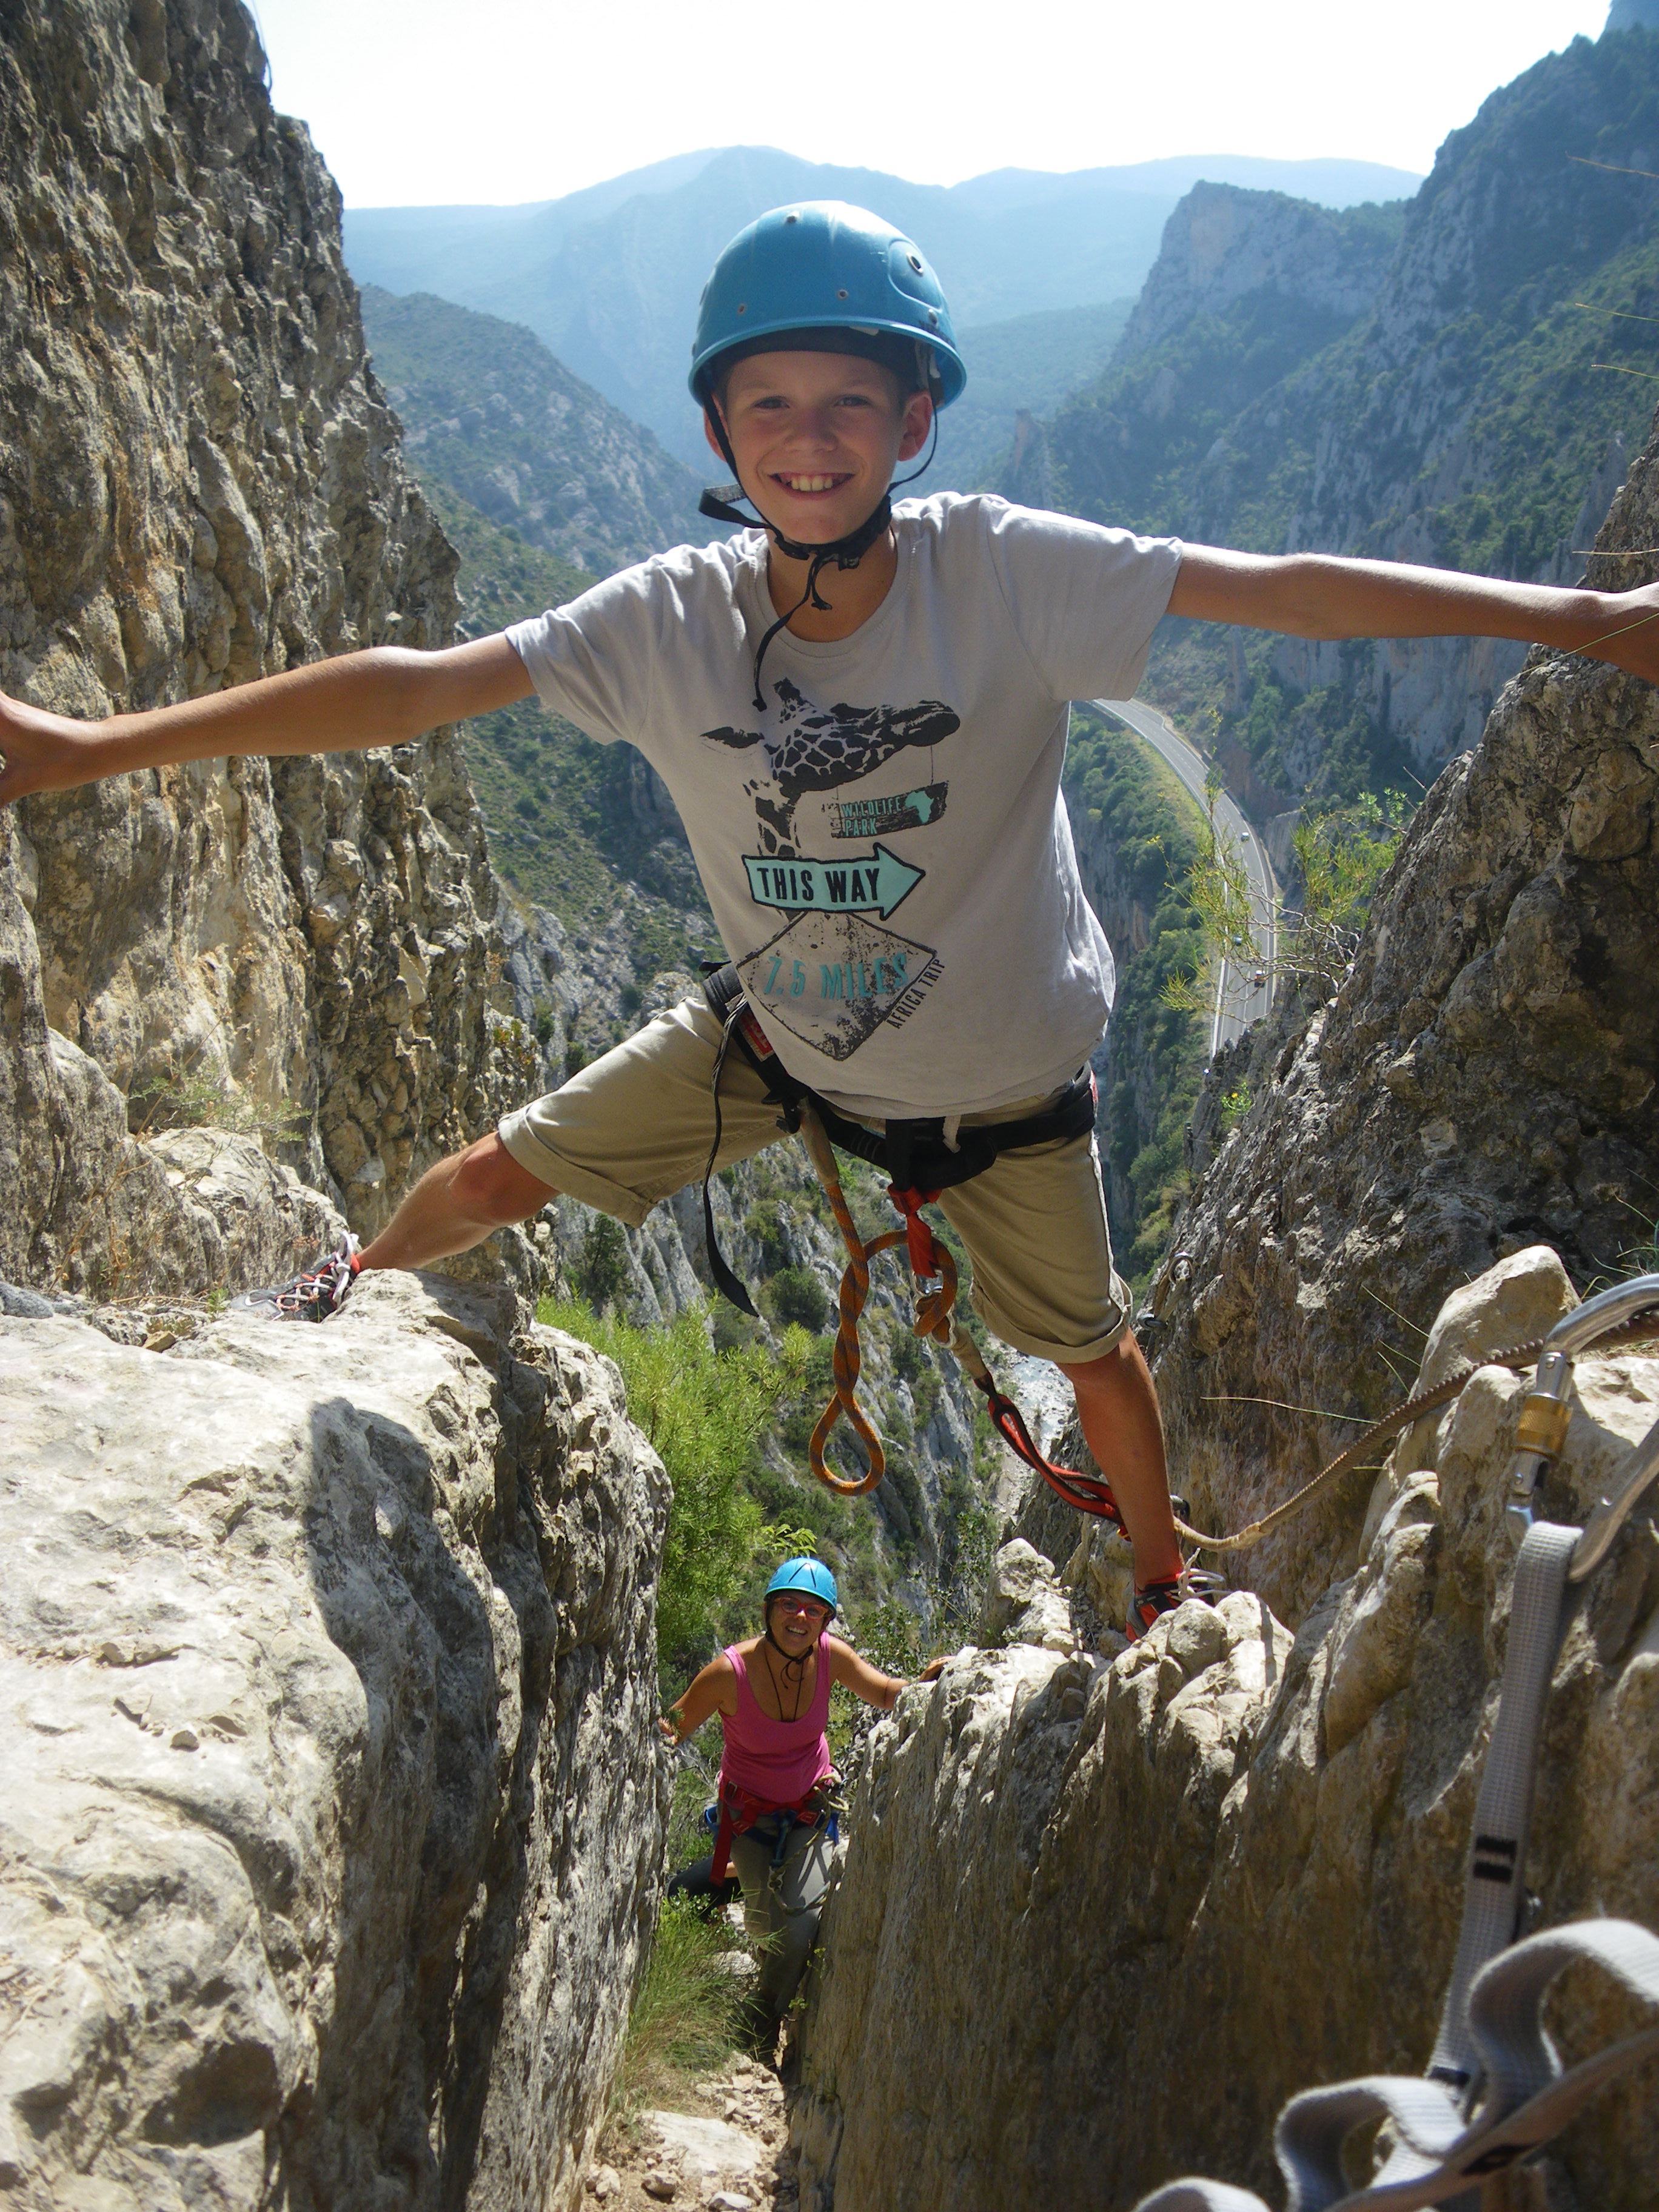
column 810, row 1576
column 824, row 265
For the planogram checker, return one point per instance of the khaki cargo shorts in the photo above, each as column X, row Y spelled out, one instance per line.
column 635, row 1127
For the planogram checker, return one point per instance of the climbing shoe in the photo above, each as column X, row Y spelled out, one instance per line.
column 313, row 1296
column 1152, row 1600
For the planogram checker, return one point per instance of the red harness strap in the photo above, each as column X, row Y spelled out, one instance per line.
column 917, row 1237
column 1088, row 1493
column 739, row 1810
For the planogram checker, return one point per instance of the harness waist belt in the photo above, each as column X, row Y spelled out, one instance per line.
column 913, row 1154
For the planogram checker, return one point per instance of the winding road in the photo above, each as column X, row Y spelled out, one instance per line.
column 1244, row 984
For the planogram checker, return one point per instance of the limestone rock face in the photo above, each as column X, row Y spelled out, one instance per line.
column 1023, row 1603
column 332, row 1809
column 1098, row 1920
column 200, row 482
column 1028, row 1849
column 1485, row 1074
column 1224, row 243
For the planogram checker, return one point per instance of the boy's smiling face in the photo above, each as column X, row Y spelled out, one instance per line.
column 817, row 436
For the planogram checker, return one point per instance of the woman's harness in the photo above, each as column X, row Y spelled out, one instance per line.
column 923, row 1157
column 737, row 1810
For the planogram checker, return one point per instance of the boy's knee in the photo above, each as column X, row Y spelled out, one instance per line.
column 489, row 1184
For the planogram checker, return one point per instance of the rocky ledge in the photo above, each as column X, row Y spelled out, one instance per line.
column 333, row 1815
column 1099, row 1917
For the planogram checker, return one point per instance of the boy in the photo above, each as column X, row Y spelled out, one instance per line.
column 913, row 945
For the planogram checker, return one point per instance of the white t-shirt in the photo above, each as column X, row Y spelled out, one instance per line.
column 884, row 848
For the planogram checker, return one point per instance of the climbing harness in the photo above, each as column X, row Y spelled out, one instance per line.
column 923, row 1157
column 737, row 1810
column 1495, row 2091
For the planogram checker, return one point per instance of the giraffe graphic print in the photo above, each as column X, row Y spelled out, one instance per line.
column 832, row 971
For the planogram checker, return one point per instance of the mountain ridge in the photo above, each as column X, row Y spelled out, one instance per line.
column 1476, row 414
column 612, row 287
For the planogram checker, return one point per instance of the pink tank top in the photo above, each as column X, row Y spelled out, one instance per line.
column 777, row 1761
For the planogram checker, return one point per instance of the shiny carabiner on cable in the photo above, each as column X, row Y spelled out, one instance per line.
column 1542, row 1429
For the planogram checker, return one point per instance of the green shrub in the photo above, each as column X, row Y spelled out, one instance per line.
column 704, row 1412
column 795, row 1294
column 602, row 1271
column 909, row 1355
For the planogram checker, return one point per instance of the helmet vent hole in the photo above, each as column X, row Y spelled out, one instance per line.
column 915, row 263
column 792, row 217
column 743, row 307
column 841, row 293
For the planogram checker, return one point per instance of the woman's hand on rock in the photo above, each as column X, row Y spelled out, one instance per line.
column 41, row 751
column 933, row 1669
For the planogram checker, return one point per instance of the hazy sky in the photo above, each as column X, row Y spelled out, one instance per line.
column 415, row 102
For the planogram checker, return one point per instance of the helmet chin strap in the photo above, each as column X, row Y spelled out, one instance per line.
column 794, row 1668
column 846, row 552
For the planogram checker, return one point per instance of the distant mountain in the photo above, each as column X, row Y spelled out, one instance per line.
column 487, row 411
column 1477, row 414
column 1026, row 366
column 608, row 278
column 1249, row 286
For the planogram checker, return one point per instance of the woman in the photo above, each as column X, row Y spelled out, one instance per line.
column 772, row 1694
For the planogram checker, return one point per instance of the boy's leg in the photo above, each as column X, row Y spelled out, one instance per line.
column 630, row 1130
column 1117, row 1408
column 1044, row 1281
column 455, row 1204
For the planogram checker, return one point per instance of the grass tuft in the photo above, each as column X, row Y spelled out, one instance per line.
column 684, row 2025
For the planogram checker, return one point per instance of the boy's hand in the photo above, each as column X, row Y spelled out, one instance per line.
column 42, row 752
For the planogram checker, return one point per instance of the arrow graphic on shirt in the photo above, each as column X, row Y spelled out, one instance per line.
column 851, row 885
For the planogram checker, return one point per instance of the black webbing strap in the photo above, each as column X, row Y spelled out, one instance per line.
column 913, row 1154
column 729, row 1286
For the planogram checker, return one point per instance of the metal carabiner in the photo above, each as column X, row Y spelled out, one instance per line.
column 1542, row 1429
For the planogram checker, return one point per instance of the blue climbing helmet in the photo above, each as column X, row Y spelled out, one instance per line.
column 809, row 1575
column 822, row 269
column 821, row 277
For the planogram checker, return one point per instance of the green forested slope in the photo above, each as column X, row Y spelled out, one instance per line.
column 1024, row 367
column 1136, row 830
column 487, row 410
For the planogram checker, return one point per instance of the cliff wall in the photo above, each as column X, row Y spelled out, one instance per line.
column 200, row 482
column 1223, row 244
column 1485, row 1076
column 333, row 1830
column 335, row 1809
column 1100, row 1916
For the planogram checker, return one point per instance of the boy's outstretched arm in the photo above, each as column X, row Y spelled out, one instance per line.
column 386, row 697
column 1318, row 596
